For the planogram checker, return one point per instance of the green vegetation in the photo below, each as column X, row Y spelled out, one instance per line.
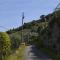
column 48, row 37
column 15, row 40
column 8, row 44
column 5, row 45
column 18, row 55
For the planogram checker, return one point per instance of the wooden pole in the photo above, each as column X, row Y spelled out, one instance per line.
column 22, row 27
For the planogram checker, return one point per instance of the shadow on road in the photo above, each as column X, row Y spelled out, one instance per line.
column 32, row 53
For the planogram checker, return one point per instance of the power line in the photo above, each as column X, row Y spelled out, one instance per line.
column 3, row 27
column 57, row 7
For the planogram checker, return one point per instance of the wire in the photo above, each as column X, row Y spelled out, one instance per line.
column 3, row 27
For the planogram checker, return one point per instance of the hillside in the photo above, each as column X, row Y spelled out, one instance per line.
column 47, row 29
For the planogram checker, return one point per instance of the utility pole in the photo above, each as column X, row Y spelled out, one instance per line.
column 45, row 21
column 28, row 37
column 22, row 28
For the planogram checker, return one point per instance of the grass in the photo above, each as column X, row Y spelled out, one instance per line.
column 18, row 55
column 48, row 51
column 51, row 53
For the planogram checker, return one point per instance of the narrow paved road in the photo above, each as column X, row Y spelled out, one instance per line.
column 32, row 53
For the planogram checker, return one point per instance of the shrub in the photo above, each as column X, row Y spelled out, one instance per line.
column 37, row 41
column 4, row 45
column 15, row 41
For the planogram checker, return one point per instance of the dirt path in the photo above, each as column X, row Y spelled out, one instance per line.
column 32, row 53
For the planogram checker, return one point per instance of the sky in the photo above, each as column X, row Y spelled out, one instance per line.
column 11, row 11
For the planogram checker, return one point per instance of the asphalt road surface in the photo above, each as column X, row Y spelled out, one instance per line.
column 32, row 53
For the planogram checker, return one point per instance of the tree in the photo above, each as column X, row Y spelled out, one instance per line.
column 42, row 16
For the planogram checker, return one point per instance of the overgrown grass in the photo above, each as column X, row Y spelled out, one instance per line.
column 18, row 55
column 48, row 51
column 51, row 54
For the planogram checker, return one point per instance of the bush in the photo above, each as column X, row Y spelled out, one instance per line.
column 4, row 45
column 15, row 41
column 37, row 41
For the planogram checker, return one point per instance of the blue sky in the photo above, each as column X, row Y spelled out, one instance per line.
column 11, row 11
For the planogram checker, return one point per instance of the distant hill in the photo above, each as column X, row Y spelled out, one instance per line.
column 30, row 25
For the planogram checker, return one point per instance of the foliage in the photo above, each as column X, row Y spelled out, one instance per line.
column 5, row 45
column 37, row 41
column 18, row 55
column 15, row 40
